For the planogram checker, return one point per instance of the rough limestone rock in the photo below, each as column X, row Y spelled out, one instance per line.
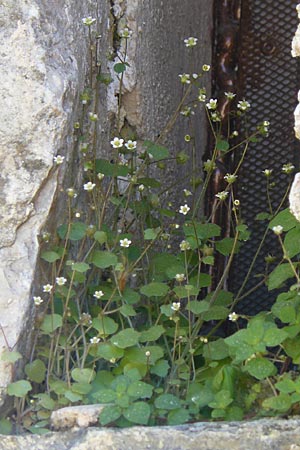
column 43, row 57
column 261, row 435
column 81, row 416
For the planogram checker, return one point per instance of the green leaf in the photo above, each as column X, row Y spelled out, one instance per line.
column 110, row 169
column 281, row 403
column 152, row 334
column 287, row 386
column 274, row 336
column 292, row 242
column 151, row 233
column 72, row 396
column 10, row 356
column 279, row 275
column 222, row 145
column 77, row 231
column 127, row 311
column 105, row 325
column 197, row 307
column 225, row 246
column 126, row 338
column 100, row 236
column 154, row 289
column 216, row 350
column 5, row 426
column 51, row 322
column 80, row 267
column 286, row 219
column 222, row 400
column 19, row 388
column 46, row 401
column 167, row 310
column 50, row 256
column 157, row 151
column 81, row 388
column 119, row 67
column 139, row 389
column 36, row 371
column 104, row 259
column 149, row 182
column 109, row 351
column 185, row 291
column 105, row 395
column 138, row 355
column 263, row 216
column 292, row 348
column 167, row 401
column 178, row 416
column 109, row 414
column 130, row 296
column 215, row 313
column 203, row 231
column 138, row 412
column 83, row 375
column 161, row 368
column 260, row 368
column 285, row 311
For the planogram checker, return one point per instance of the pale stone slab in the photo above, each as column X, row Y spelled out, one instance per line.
column 260, row 435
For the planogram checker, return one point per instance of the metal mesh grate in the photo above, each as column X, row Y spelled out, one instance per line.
column 268, row 79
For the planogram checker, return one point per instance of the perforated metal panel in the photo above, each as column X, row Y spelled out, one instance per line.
column 268, row 79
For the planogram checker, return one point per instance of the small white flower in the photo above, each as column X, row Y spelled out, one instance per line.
column 184, row 245
column 94, row 340
column 130, row 145
column 180, row 277
column 187, row 138
column 37, row 300
column 222, row 195
column 278, row 229
column 187, row 111
column 288, row 168
column 61, row 281
column 243, row 105
column 47, row 288
column 141, row 187
column 58, row 159
column 233, row 317
column 125, row 242
column 184, row 209
column 125, row 33
column 187, row 193
column 185, row 78
column 235, row 133
column 100, row 176
column 93, row 117
column 98, row 294
column 203, row 339
column 267, row 172
column 236, row 202
column 230, row 178
column 206, row 67
column 71, row 193
column 147, row 353
column 88, row 21
column 215, row 116
column 212, row 104
column 175, row 306
column 117, row 142
column 230, row 95
column 77, row 215
column 195, row 76
column 190, row 42
column 89, row 186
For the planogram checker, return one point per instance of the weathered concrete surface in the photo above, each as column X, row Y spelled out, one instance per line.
column 43, row 56
column 259, row 435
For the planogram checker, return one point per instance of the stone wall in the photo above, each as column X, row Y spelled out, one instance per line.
column 43, row 55
column 43, row 62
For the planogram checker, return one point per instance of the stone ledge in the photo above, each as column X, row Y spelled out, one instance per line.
column 259, row 435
